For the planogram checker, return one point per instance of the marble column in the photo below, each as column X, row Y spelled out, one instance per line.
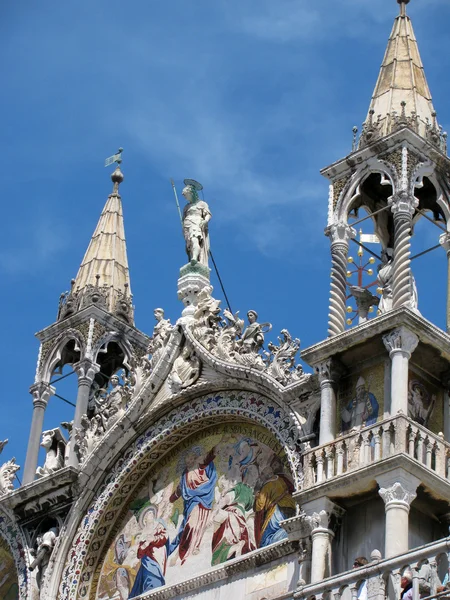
column 444, row 240
column 321, row 515
column 398, row 490
column 329, row 373
column 402, row 205
column 400, row 343
column 41, row 393
column 86, row 371
column 340, row 234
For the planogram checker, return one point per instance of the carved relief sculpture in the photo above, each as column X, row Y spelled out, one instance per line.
column 185, row 371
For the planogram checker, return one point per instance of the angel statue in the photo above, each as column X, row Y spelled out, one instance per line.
column 196, row 216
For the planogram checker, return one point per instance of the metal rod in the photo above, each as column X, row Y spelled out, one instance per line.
column 366, row 249
column 220, row 280
column 432, row 221
column 425, row 252
column 64, row 400
column 63, row 377
column 369, row 216
column 17, row 477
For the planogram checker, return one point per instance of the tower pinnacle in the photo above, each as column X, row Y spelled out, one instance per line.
column 103, row 276
column 403, row 4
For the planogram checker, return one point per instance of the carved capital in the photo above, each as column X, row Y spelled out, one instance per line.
column 401, row 340
column 329, row 371
column 323, row 514
column 86, row 371
column 398, row 494
column 403, row 205
column 444, row 240
column 41, row 393
column 317, row 520
column 340, row 233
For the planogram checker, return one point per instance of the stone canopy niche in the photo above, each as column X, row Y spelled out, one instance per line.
column 9, row 585
column 218, row 495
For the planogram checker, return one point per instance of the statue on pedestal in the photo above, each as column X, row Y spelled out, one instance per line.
column 196, row 216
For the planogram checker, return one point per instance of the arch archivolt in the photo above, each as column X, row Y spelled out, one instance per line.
column 11, row 533
column 134, row 465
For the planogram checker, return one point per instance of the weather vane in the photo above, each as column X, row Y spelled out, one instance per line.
column 115, row 158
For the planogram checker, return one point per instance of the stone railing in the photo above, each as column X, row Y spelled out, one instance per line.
column 368, row 445
column 428, row 566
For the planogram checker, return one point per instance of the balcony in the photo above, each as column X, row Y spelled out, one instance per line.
column 356, row 456
column 428, row 566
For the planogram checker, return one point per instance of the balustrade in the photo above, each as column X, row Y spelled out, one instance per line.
column 361, row 448
column 428, row 566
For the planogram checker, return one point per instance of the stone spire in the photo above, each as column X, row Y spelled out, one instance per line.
column 401, row 96
column 103, row 277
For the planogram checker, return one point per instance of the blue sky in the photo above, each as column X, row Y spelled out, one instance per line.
column 250, row 97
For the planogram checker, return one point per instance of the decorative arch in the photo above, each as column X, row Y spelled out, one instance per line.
column 357, row 179
column 12, row 535
column 112, row 336
column 132, row 467
column 49, row 362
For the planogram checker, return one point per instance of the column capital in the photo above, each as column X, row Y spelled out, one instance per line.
column 41, row 393
column 329, row 371
column 403, row 204
column 322, row 515
column 444, row 240
column 401, row 340
column 340, row 233
column 398, row 487
column 86, row 370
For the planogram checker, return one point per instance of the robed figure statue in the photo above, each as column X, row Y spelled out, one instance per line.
column 196, row 216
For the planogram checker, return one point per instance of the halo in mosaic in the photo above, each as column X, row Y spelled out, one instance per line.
column 130, row 471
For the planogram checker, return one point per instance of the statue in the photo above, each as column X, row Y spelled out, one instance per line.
column 281, row 359
column 385, row 273
column 45, row 544
column 185, row 371
column 161, row 334
column 385, row 277
column 111, row 407
column 55, row 447
column 253, row 337
column 196, row 216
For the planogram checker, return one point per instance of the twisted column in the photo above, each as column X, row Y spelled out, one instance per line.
column 402, row 289
column 340, row 234
column 41, row 393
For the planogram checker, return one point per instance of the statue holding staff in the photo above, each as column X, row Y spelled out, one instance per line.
column 196, row 217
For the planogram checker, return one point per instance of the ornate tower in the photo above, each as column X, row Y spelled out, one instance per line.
column 94, row 331
column 384, row 416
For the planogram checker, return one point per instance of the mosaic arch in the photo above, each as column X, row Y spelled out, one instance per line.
column 13, row 566
column 124, row 498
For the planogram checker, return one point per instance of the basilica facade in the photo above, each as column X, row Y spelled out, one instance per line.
column 202, row 460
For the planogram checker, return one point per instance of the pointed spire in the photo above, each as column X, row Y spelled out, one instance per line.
column 103, row 276
column 401, row 96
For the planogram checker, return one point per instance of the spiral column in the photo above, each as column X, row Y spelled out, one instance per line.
column 402, row 288
column 339, row 234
